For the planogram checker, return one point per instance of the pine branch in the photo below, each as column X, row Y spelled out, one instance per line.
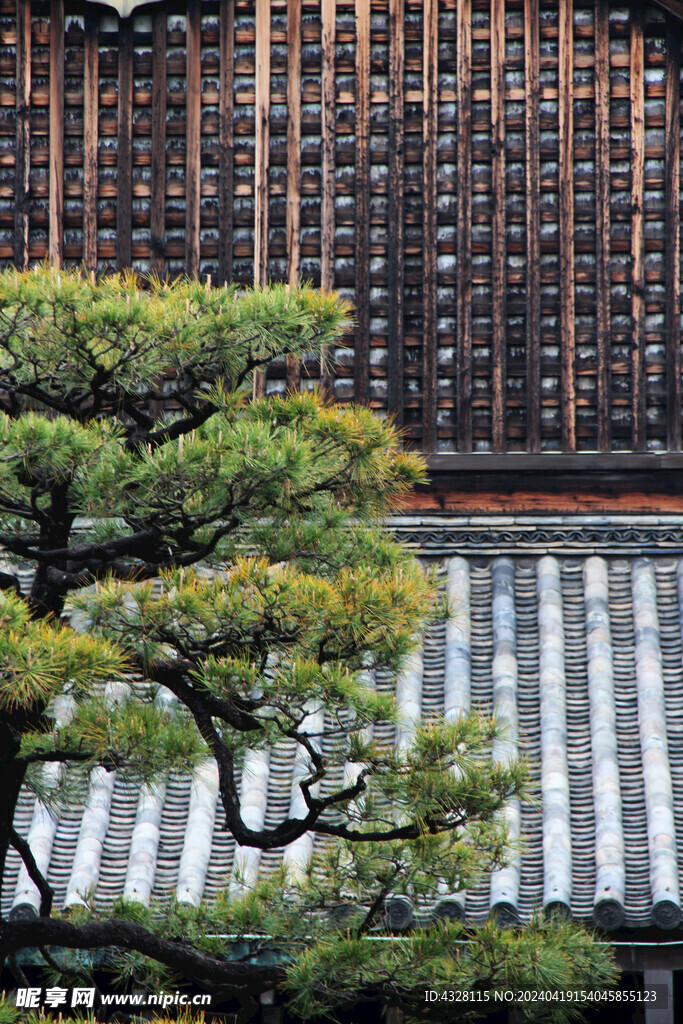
column 121, row 934
column 34, row 873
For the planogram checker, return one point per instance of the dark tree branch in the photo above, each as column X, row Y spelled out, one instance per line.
column 9, row 582
column 119, row 934
column 34, row 873
column 62, row 756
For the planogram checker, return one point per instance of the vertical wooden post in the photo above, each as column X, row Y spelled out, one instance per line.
column 157, row 213
column 91, row 74
column 293, row 142
column 293, row 165
column 327, row 111
column 566, row 200
column 533, row 226
column 602, row 212
column 430, row 50
column 672, row 235
column 22, row 165
column 395, row 322
column 124, row 204
column 226, row 139
column 193, row 140
column 56, row 177
column 498, row 247
column 262, row 159
column 638, row 379
column 464, row 227
column 362, row 252
column 262, row 142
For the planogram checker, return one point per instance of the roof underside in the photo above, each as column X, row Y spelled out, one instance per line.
column 673, row 6
column 579, row 654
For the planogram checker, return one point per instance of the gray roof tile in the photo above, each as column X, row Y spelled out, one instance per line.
column 579, row 656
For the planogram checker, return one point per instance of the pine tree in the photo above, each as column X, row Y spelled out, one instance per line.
column 211, row 576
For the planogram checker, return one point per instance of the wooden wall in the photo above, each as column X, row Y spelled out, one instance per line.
column 495, row 184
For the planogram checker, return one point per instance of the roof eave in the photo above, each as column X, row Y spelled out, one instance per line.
column 674, row 7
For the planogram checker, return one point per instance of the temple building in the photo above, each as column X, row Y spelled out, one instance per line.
column 496, row 185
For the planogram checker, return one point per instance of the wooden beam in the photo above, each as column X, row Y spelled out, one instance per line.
column 22, row 165
column 638, row 380
column 124, row 184
column 566, row 189
column 157, row 217
column 91, row 81
column 56, row 156
column 293, row 165
column 261, row 159
column 293, row 142
column 327, row 217
column 602, row 217
column 430, row 52
column 226, row 157
column 361, row 360
column 498, row 247
column 193, row 140
column 395, row 324
column 262, row 142
column 464, row 225
column 674, row 7
column 533, row 226
column 672, row 234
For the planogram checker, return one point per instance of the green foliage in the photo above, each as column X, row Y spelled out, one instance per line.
column 40, row 660
column 212, row 577
column 449, row 957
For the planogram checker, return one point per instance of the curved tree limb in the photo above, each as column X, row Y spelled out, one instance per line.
column 120, row 934
column 34, row 873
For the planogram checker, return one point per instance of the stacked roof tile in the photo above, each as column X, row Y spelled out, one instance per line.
column 578, row 653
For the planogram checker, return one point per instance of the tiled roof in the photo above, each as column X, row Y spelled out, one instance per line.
column 579, row 654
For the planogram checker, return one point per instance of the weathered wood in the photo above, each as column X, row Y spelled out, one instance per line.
column 157, row 215
column 56, row 156
column 193, row 126
column 327, row 217
column 293, row 142
column 395, row 212
column 672, row 236
column 464, row 225
column 124, row 184
column 430, row 50
column 533, row 226
column 262, row 142
column 548, row 490
column 566, row 190
column 22, row 165
column 261, row 159
column 674, row 6
column 498, row 254
column 362, row 195
column 602, row 217
column 91, row 61
column 226, row 157
column 389, row 298
column 293, row 165
column 637, row 83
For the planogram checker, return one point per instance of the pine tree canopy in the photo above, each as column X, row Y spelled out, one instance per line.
column 212, row 576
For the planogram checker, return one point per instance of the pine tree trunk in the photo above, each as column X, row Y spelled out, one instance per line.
column 12, row 774
column 47, row 596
